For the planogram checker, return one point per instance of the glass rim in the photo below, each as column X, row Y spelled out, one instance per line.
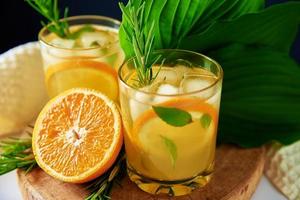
column 219, row 77
column 73, row 18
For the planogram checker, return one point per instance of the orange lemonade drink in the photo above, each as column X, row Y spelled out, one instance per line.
column 171, row 124
column 88, row 59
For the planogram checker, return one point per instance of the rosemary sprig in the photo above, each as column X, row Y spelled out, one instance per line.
column 16, row 153
column 49, row 10
column 142, row 41
column 101, row 187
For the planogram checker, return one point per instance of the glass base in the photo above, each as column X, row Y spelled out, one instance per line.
column 170, row 188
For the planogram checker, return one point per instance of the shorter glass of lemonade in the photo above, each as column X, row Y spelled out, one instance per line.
column 89, row 58
column 164, row 153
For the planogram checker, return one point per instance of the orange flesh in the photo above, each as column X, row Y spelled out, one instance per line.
column 84, row 74
column 79, row 135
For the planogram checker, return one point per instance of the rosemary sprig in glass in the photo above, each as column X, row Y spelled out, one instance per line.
column 49, row 10
column 142, row 41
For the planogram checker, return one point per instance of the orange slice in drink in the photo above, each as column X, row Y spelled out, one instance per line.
column 77, row 136
column 170, row 152
column 196, row 107
column 84, row 74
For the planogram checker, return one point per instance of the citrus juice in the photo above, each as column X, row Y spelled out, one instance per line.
column 89, row 58
column 164, row 158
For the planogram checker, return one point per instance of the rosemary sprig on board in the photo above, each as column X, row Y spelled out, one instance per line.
column 16, row 153
column 142, row 41
column 49, row 10
column 101, row 187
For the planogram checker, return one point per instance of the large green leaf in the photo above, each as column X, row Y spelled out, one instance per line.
column 226, row 10
column 261, row 95
column 275, row 27
column 173, row 20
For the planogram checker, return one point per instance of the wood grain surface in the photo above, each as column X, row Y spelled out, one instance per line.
column 236, row 176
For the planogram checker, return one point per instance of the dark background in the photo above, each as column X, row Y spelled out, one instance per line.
column 20, row 24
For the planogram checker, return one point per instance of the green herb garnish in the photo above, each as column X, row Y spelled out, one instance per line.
column 101, row 187
column 49, row 10
column 173, row 116
column 205, row 120
column 16, row 153
column 172, row 149
column 142, row 41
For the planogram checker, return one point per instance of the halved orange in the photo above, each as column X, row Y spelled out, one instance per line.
column 78, row 135
column 84, row 74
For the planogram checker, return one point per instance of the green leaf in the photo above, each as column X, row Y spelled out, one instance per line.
column 172, row 149
column 172, row 19
column 173, row 116
column 226, row 10
column 205, row 120
column 275, row 27
column 260, row 98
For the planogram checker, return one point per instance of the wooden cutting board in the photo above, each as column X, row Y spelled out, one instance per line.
column 236, row 176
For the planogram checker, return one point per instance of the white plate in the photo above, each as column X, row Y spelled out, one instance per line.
column 9, row 189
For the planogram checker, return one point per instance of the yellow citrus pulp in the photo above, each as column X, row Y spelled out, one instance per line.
column 78, row 135
column 83, row 74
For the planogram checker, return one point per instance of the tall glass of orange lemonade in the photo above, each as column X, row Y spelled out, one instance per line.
column 89, row 59
column 171, row 124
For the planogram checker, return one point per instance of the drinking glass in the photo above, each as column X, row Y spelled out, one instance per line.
column 171, row 124
column 89, row 59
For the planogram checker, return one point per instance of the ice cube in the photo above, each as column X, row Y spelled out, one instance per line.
column 181, row 70
column 215, row 100
column 64, row 43
column 191, row 84
column 167, row 75
column 165, row 89
column 88, row 39
column 195, row 83
column 53, row 55
column 139, row 103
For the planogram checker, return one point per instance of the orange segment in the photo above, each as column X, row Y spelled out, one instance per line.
column 188, row 104
column 77, row 136
column 84, row 74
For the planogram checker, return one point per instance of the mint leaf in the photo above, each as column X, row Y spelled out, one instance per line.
column 171, row 146
column 173, row 116
column 205, row 120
